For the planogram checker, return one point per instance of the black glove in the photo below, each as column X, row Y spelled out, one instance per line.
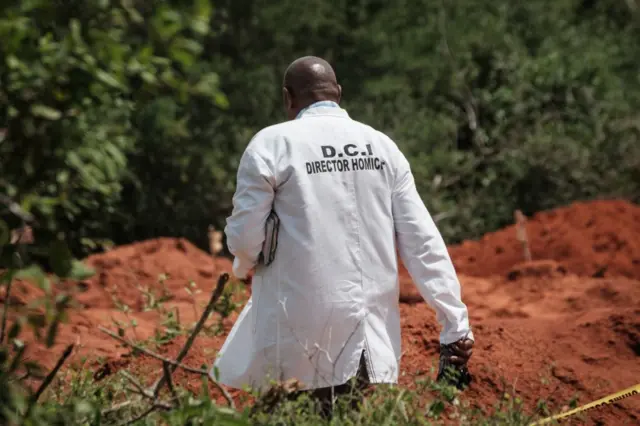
column 453, row 363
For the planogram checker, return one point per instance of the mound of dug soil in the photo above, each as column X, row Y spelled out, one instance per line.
column 129, row 283
column 565, row 325
column 596, row 239
column 163, row 265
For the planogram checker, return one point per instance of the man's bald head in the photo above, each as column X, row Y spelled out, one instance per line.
column 307, row 80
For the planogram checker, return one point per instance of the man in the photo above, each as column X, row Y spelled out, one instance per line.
column 326, row 309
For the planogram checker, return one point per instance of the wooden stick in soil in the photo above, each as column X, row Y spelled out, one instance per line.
column 521, row 233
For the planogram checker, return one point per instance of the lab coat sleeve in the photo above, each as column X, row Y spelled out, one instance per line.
column 424, row 253
column 252, row 203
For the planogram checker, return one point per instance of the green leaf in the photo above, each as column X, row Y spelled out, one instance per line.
column 7, row 276
column 204, row 388
column 62, row 302
column 80, row 271
column 185, row 58
column 436, row 408
column 200, row 26
column 84, row 408
column 60, row 258
column 203, row 9
column 13, row 62
column 108, row 79
column 226, row 416
column 35, row 274
column 208, row 84
column 148, row 77
column 44, row 111
column 190, row 45
column 133, row 13
column 76, row 31
column 221, row 100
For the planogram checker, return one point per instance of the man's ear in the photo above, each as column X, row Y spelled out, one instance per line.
column 339, row 93
column 287, row 99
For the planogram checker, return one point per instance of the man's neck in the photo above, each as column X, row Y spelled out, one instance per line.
column 320, row 103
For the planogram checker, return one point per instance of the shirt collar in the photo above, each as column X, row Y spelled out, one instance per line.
column 323, row 107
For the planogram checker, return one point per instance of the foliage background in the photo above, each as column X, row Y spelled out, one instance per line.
column 125, row 120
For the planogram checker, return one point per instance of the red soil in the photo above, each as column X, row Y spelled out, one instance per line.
column 596, row 239
column 565, row 325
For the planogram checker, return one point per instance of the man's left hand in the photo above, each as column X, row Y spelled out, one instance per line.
column 456, row 356
column 461, row 351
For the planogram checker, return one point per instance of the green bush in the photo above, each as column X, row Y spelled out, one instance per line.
column 125, row 120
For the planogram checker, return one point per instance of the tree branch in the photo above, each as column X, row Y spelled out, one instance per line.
column 167, row 373
column 139, row 388
column 47, row 380
column 177, row 363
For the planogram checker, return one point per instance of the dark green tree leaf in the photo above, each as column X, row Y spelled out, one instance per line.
column 60, row 258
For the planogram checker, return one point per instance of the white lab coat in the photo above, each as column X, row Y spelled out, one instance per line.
column 346, row 200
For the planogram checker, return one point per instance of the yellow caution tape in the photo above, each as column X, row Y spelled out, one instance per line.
column 633, row 390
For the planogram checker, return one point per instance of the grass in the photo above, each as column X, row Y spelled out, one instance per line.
column 78, row 399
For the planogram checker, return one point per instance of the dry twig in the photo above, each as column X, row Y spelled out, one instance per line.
column 116, row 407
column 521, row 232
column 167, row 374
column 139, row 389
column 152, row 354
column 186, row 368
column 173, row 364
column 47, row 380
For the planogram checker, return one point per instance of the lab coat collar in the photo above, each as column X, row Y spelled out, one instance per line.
column 323, row 108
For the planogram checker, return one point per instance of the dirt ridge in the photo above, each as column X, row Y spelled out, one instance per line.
column 570, row 318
